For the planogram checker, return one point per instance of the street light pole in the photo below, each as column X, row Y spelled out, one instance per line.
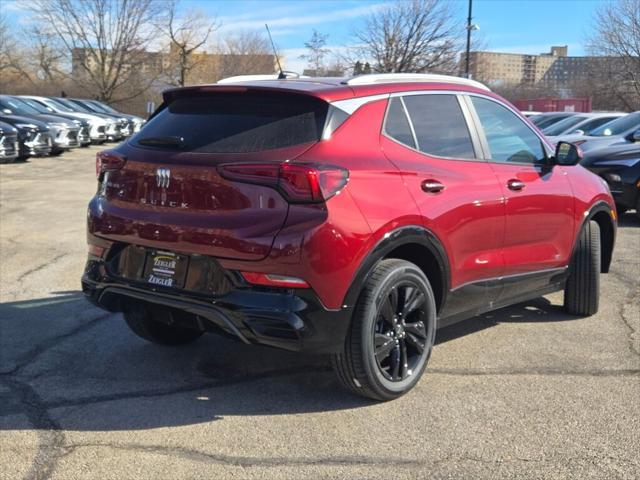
column 469, row 27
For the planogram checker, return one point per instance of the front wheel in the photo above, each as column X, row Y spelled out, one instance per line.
column 392, row 333
column 582, row 291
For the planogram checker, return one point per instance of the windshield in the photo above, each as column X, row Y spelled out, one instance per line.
column 236, row 122
column 618, row 126
column 35, row 105
column 17, row 107
column 98, row 107
column 563, row 125
column 72, row 106
column 105, row 107
column 549, row 120
column 86, row 105
column 57, row 105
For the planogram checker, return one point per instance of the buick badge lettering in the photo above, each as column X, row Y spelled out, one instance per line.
column 163, row 177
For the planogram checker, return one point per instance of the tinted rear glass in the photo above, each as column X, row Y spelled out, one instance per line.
column 238, row 122
column 440, row 126
column 397, row 126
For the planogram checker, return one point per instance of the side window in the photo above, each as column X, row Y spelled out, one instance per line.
column 509, row 138
column 440, row 126
column 396, row 125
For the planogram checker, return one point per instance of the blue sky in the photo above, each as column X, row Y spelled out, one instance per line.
column 521, row 26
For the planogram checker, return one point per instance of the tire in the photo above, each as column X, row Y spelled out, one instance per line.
column 152, row 324
column 638, row 207
column 582, row 291
column 384, row 375
column 5, row 161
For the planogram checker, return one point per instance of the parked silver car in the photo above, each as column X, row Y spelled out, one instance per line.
column 84, row 137
column 580, row 124
column 547, row 119
column 137, row 121
column 99, row 125
column 621, row 131
column 64, row 132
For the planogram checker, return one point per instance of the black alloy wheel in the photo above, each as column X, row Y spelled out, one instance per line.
column 400, row 334
column 392, row 332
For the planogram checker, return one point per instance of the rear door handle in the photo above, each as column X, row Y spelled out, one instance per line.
column 432, row 186
column 515, row 184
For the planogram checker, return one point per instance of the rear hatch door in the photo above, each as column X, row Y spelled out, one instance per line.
column 169, row 193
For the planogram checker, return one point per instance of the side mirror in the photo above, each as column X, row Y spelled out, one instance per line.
column 635, row 136
column 567, row 154
column 578, row 132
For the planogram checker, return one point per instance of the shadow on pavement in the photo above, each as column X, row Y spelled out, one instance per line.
column 97, row 376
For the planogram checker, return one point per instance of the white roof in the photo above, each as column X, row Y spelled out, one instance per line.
column 412, row 77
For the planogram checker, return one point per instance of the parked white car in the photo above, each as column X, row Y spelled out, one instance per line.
column 99, row 125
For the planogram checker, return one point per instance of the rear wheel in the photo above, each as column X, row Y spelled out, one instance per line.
column 582, row 291
column 392, row 333
column 154, row 324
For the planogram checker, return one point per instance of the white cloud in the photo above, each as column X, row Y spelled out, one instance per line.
column 293, row 20
column 9, row 6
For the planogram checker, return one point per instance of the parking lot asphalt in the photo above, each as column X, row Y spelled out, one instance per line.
column 523, row 392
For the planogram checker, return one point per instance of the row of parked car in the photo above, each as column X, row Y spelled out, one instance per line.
column 33, row 126
column 611, row 146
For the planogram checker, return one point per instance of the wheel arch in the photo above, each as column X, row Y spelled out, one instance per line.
column 412, row 243
column 602, row 214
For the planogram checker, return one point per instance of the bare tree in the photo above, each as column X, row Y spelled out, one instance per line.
column 45, row 57
column 316, row 52
column 410, row 36
column 107, row 41
column 12, row 58
column 187, row 34
column 245, row 53
column 617, row 35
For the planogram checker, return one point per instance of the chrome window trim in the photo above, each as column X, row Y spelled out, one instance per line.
column 350, row 105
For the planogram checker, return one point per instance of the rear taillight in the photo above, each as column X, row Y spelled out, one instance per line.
column 298, row 182
column 108, row 161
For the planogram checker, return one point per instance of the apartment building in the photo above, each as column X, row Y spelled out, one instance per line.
column 555, row 68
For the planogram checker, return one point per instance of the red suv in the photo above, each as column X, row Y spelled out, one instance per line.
column 350, row 217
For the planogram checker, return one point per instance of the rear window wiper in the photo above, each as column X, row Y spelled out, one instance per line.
column 175, row 142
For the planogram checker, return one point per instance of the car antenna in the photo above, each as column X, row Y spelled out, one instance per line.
column 281, row 75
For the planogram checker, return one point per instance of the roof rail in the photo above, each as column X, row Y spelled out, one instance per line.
column 253, row 78
column 412, row 77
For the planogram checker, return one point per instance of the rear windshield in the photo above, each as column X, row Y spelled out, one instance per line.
column 235, row 123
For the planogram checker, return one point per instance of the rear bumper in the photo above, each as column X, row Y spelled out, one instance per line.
column 284, row 318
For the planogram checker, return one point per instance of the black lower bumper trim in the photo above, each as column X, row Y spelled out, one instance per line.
column 288, row 319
